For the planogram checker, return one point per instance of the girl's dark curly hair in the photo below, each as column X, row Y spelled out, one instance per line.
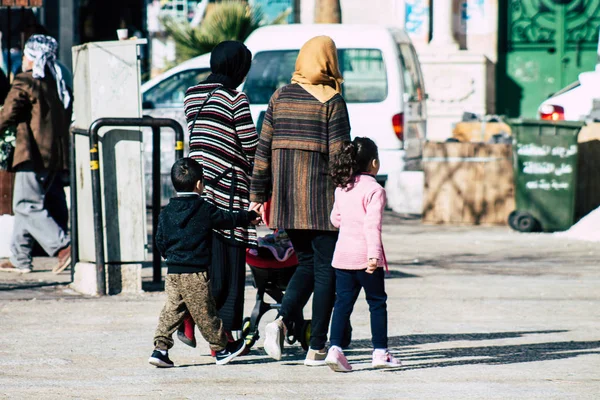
column 355, row 158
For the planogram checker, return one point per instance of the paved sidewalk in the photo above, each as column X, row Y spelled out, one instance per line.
column 475, row 313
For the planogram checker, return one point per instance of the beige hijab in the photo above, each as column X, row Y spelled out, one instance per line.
column 317, row 68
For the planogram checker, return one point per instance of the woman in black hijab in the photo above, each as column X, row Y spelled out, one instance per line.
column 223, row 140
column 229, row 62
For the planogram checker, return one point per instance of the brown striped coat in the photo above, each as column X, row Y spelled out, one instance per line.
column 299, row 138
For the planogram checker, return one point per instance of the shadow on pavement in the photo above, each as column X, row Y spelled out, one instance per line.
column 404, row 348
column 8, row 286
column 499, row 355
column 500, row 263
column 149, row 286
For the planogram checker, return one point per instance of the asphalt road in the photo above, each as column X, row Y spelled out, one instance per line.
column 474, row 313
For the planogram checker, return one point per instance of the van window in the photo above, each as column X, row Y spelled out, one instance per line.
column 365, row 79
column 171, row 91
column 270, row 70
column 413, row 81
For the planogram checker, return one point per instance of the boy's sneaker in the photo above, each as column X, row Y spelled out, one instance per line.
column 231, row 351
column 159, row 360
column 274, row 335
column 315, row 358
column 383, row 359
column 337, row 361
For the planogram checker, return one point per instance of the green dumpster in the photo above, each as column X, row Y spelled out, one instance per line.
column 545, row 174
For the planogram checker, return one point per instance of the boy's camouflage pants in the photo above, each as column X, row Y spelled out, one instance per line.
column 189, row 292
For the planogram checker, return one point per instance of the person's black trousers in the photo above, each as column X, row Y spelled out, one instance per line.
column 227, row 276
column 314, row 250
column 347, row 286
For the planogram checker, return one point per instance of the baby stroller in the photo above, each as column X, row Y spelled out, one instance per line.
column 272, row 265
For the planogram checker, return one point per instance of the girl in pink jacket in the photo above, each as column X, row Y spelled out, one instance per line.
column 358, row 257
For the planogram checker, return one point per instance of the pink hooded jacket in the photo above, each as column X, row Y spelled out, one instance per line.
column 358, row 212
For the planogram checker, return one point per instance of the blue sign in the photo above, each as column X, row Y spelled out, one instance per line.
column 417, row 17
column 273, row 8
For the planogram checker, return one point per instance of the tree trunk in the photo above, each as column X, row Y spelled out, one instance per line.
column 328, row 12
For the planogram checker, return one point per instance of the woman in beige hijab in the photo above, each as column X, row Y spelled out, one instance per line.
column 305, row 126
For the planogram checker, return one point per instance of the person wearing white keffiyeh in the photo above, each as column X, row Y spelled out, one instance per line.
column 42, row 51
column 39, row 108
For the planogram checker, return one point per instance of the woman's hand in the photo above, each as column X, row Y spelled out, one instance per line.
column 259, row 208
column 256, row 221
column 372, row 265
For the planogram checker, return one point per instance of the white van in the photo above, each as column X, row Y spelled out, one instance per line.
column 383, row 86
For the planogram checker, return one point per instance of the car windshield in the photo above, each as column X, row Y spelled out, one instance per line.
column 171, row 91
column 364, row 73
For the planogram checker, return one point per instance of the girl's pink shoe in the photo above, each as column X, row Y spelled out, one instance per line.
column 336, row 360
column 385, row 360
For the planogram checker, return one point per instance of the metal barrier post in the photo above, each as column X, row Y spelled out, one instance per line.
column 97, row 204
column 73, row 186
column 155, row 124
column 156, row 262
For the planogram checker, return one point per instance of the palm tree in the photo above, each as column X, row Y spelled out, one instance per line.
column 328, row 12
column 227, row 20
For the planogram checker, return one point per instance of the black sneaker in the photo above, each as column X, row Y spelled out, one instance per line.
column 158, row 360
column 230, row 352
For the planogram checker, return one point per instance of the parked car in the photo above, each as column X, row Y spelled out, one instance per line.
column 574, row 102
column 162, row 97
column 383, row 85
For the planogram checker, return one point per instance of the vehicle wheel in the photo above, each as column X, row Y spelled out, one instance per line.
column 527, row 223
column 305, row 335
column 512, row 219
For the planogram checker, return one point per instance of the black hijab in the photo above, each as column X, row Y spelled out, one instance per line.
column 229, row 62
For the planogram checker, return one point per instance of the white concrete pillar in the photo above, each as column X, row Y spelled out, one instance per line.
column 443, row 32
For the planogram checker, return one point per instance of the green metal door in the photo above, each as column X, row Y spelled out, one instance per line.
column 548, row 43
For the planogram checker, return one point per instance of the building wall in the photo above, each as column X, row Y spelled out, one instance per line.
column 386, row 12
column 475, row 21
column 470, row 65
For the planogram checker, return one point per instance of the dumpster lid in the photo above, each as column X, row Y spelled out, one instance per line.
column 540, row 122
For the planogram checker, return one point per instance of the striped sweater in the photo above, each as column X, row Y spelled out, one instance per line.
column 299, row 138
column 223, row 137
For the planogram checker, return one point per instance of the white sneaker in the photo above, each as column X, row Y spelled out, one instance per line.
column 315, row 358
column 384, row 360
column 274, row 335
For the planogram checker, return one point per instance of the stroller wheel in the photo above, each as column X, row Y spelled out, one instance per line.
column 251, row 340
column 249, row 337
column 246, row 327
column 305, row 334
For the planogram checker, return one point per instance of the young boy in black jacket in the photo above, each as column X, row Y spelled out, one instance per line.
column 183, row 238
